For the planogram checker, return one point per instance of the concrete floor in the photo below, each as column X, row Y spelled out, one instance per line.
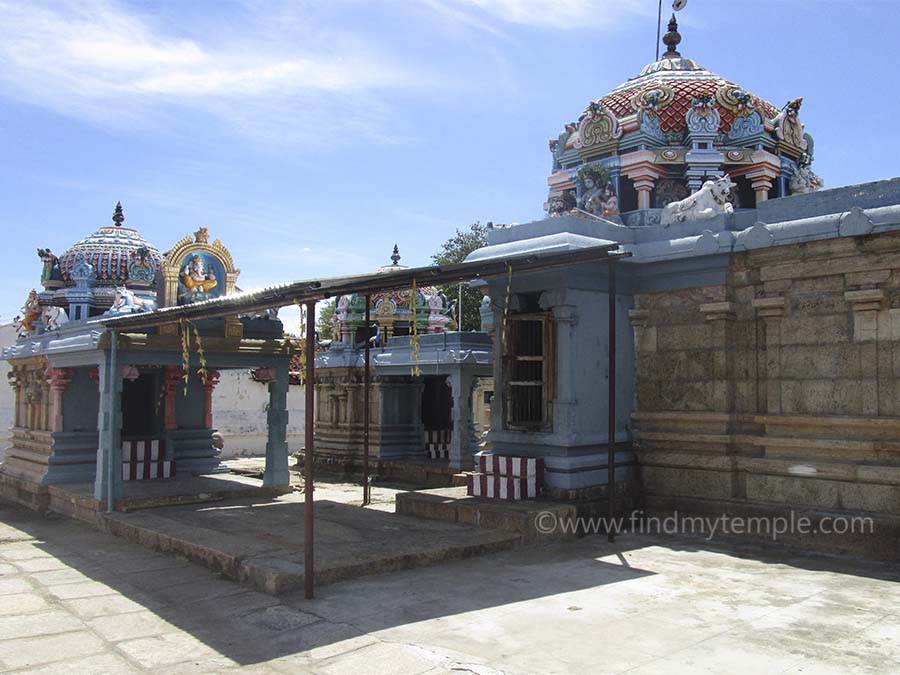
column 73, row 600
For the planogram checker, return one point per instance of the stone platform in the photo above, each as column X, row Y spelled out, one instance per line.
column 260, row 541
column 524, row 518
column 76, row 500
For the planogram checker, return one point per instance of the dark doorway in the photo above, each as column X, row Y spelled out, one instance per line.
column 437, row 417
column 437, row 400
column 139, row 405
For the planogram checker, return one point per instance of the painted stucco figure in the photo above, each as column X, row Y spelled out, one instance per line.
column 126, row 302
column 710, row 201
column 31, row 313
column 198, row 279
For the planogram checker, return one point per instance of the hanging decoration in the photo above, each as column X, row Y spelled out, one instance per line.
column 503, row 335
column 185, row 352
column 414, row 331
column 304, row 333
column 186, row 327
column 203, row 372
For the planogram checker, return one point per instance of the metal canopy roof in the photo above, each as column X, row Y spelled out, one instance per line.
column 298, row 292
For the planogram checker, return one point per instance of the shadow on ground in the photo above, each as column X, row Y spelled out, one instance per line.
column 250, row 627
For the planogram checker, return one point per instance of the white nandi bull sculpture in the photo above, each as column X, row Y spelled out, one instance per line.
column 54, row 317
column 708, row 202
column 126, row 302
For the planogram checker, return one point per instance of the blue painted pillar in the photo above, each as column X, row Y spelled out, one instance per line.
column 108, row 482
column 462, row 446
column 276, row 474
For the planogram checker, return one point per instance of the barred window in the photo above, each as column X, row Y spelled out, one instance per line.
column 527, row 361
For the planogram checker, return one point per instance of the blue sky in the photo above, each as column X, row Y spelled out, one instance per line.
column 310, row 136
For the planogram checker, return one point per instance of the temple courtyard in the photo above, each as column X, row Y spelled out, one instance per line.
column 73, row 599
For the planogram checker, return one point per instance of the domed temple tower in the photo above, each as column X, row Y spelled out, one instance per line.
column 756, row 316
column 83, row 280
column 659, row 136
column 96, row 409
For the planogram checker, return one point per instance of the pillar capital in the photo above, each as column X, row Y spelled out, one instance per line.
column 769, row 308
column 212, row 379
column 719, row 311
column 866, row 300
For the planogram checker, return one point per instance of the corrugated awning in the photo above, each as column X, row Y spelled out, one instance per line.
column 299, row 292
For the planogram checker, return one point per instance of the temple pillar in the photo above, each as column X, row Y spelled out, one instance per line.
column 14, row 378
column 276, row 473
column 761, row 187
column 109, row 425
column 640, row 166
column 644, row 187
column 212, row 379
column 771, row 310
column 174, row 379
column 720, row 318
column 461, row 445
column 58, row 379
column 762, row 174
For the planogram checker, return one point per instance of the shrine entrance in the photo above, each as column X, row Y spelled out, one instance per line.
column 437, row 416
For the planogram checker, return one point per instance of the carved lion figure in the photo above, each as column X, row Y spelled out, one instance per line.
column 708, row 202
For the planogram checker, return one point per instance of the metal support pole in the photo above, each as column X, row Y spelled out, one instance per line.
column 308, row 484
column 611, row 459
column 112, row 391
column 366, row 384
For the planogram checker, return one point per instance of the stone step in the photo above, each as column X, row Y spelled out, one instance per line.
column 528, row 519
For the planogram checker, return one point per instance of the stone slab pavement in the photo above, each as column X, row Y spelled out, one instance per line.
column 75, row 600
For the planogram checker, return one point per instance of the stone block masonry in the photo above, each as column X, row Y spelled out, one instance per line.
column 778, row 389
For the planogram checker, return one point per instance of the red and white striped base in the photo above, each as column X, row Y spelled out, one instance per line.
column 510, row 478
column 437, row 443
column 512, row 466
column 143, row 460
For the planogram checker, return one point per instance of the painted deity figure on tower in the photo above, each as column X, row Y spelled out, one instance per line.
column 198, row 279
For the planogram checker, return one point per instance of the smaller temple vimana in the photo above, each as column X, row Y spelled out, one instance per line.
column 757, row 342
column 152, row 394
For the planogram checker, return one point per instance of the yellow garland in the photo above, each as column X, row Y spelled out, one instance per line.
column 304, row 326
column 203, row 372
column 503, row 329
column 186, row 327
column 185, row 353
column 414, row 340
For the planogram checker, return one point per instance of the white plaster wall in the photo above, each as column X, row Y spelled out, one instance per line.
column 7, row 400
column 239, row 413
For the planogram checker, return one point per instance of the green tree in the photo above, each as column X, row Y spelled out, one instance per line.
column 455, row 250
column 324, row 324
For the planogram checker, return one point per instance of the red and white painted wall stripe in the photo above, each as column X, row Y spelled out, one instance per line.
column 144, row 459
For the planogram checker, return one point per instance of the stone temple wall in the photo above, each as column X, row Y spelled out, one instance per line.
column 7, row 397
column 779, row 389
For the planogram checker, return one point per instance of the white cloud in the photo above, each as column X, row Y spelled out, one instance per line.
column 95, row 60
column 553, row 14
